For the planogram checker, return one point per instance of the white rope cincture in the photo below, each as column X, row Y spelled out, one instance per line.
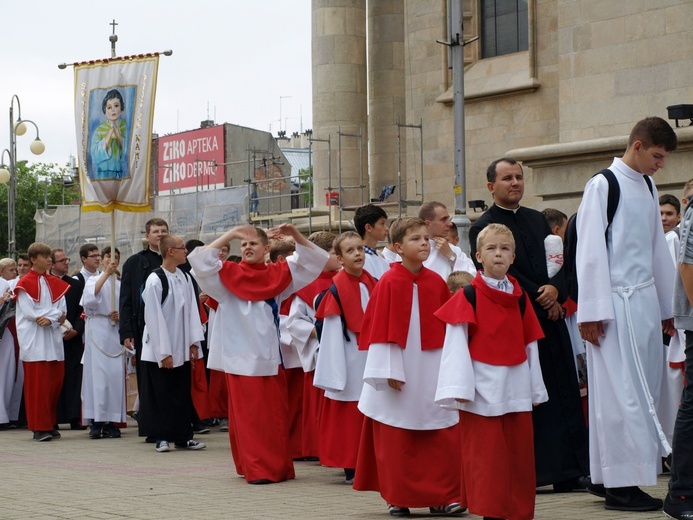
column 625, row 293
column 91, row 338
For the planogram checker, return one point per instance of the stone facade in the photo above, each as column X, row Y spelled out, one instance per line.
column 564, row 107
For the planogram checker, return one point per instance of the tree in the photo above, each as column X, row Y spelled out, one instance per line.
column 305, row 185
column 37, row 184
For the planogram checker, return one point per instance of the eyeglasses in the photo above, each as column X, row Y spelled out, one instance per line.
column 177, row 247
column 93, row 256
column 62, row 261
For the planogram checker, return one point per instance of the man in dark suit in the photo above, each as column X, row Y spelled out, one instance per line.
column 560, row 433
column 70, row 400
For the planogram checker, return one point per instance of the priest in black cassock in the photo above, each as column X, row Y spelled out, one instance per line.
column 70, row 400
column 560, row 433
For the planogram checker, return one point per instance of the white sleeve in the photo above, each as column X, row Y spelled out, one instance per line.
column 155, row 322
column 305, row 265
column 456, row 374
column 463, row 262
column 206, row 265
column 301, row 324
column 331, row 368
column 539, row 393
column 385, row 361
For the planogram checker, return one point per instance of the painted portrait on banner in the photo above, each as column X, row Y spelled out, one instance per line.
column 110, row 123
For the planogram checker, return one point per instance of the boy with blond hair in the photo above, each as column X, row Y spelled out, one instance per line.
column 245, row 342
column 339, row 370
column 490, row 371
column 404, row 342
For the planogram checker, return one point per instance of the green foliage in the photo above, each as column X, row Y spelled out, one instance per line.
column 305, row 183
column 37, row 184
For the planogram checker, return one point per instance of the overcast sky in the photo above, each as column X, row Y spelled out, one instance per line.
column 237, row 56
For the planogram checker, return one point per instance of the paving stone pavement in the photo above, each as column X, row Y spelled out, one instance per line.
column 79, row 478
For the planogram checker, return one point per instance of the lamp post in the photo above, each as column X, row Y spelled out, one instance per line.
column 17, row 128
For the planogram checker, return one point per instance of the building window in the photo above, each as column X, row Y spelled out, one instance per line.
column 504, row 27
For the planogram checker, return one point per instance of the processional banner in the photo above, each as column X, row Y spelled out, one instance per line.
column 114, row 110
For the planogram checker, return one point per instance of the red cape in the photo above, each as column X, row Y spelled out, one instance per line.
column 30, row 284
column 389, row 310
column 498, row 332
column 350, row 296
column 310, row 291
column 255, row 282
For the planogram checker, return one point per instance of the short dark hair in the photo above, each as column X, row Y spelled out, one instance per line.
column 107, row 251
column 112, row 94
column 23, row 256
column 491, row 170
column 156, row 221
column 86, row 249
column 191, row 244
column 653, row 131
column 554, row 217
column 56, row 250
column 427, row 211
column 668, row 198
column 367, row 214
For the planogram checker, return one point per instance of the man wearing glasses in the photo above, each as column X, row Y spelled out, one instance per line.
column 69, row 402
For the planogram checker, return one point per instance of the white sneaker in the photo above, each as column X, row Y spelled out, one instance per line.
column 224, row 425
column 162, row 446
column 191, row 445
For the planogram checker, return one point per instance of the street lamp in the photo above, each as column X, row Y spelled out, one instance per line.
column 17, row 128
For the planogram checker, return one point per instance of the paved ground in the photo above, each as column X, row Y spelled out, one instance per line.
column 79, row 478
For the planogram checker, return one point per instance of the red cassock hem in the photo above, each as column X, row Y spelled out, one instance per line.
column 199, row 390
column 43, row 381
column 312, row 405
column 497, row 459
column 340, row 433
column 218, row 395
column 259, row 423
column 410, row 468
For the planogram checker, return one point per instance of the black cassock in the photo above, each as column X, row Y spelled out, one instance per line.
column 70, row 400
column 560, row 435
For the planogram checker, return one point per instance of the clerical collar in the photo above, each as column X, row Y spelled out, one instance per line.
column 504, row 285
column 507, row 209
column 369, row 250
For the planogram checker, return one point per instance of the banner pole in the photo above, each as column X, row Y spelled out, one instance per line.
column 113, row 256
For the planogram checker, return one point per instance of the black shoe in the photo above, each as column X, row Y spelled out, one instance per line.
column 200, row 428
column 573, row 484
column 111, row 431
column 260, row 482
column 678, row 508
column 55, row 434
column 598, row 490
column 42, row 436
column 150, row 440
column 630, row 498
column 398, row 511
column 76, row 425
column 349, row 474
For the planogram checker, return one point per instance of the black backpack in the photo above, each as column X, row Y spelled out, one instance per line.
column 319, row 322
column 159, row 271
column 571, row 238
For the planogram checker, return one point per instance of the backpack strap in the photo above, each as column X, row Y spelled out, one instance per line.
column 164, row 283
column 470, row 294
column 333, row 290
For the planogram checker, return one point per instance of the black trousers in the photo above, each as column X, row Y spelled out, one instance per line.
column 681, row 483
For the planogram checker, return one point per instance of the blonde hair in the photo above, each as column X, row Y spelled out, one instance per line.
column 459, row 279
column 494, row 228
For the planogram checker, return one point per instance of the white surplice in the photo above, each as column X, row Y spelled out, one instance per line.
column 173, row 327
column 103, row 377
column 413, row 407
column 628, row 287
column 244, row 340
column 40, row 343
column 376, row 265
column 340, row 365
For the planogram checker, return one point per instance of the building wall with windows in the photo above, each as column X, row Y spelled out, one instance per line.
column 564, row 106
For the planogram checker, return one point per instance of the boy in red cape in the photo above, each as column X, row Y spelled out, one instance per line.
column 339, row 370
column 490, row 372
column 410, row 446
column 41, row 309
column 301, row 326
column 245, row 342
